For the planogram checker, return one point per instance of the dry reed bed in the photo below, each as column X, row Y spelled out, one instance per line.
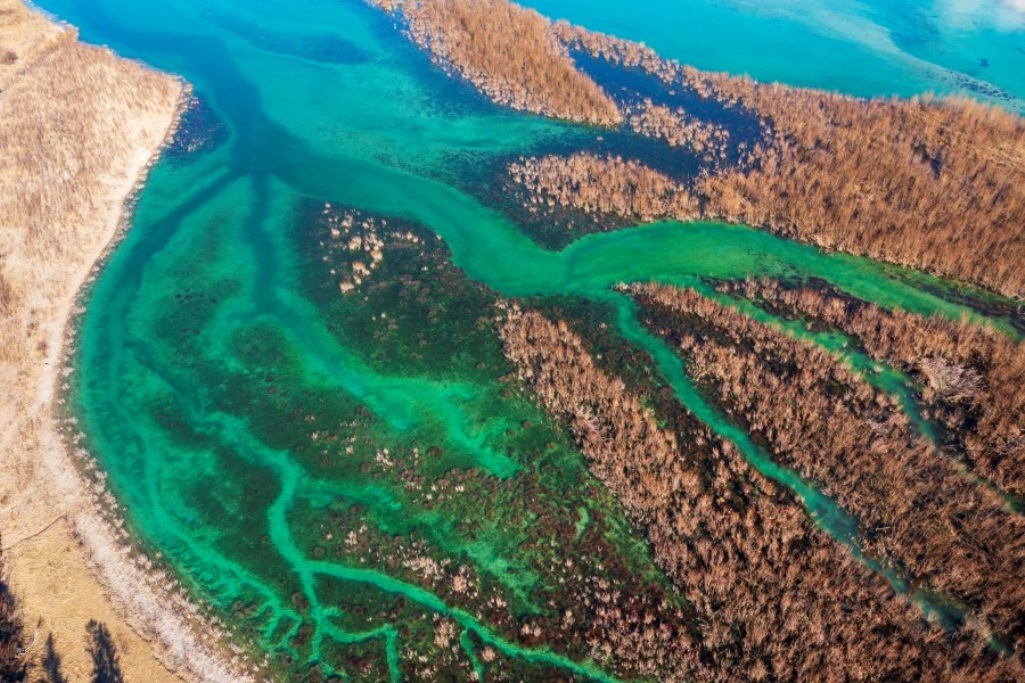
column 929, row 184
column 678, row 129
column 24, row 37
column 70, row 127
column 776, row 597
column 916, row 509
column 971, row 376
column 604, row 185
column 507, row 52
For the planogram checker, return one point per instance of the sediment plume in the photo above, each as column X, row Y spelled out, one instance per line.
column 760, row 575
column 507, row 52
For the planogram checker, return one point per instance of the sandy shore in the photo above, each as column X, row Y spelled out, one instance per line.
column 80, row 129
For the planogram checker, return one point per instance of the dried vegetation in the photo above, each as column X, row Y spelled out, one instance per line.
column 678, row 129
column 761, row 576
column 971, row 377
column 24, row 36
column 916, row 509
column 70, row 127
column 507, row 52
column 604, row 185
column 929, row 184
column 77, row 129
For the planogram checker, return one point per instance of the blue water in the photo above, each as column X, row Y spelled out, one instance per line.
column 866, row 47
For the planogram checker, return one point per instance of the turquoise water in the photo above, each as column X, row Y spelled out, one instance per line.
column 298, row 455
column 864, row 47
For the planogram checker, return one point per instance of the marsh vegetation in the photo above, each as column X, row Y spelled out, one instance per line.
column 416, row 446
column 507, row 52
column 969, row 375
column 759, row 574
column 917, row 511
column 887, row 178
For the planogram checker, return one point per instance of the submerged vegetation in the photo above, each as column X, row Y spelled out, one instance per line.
column 888, row 179
column 79, row 128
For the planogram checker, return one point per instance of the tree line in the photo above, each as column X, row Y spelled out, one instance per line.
column 17, row 666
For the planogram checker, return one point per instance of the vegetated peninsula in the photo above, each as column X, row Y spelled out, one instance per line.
column 890, row 179
column 509, row 53
column 78, row 129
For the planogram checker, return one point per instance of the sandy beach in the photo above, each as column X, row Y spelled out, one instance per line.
column 79, row 128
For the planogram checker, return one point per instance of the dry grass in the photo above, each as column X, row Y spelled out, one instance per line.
column 78, row 128
column 678, row 129
column 24, row 36
column 71, row 126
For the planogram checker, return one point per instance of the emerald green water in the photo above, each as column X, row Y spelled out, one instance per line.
column 246, row 413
